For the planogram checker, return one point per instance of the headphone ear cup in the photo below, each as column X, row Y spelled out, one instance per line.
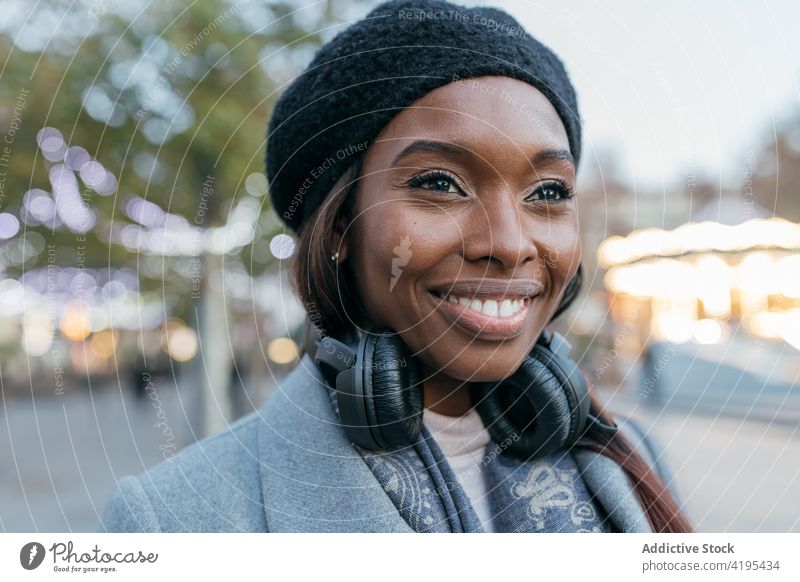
column 392, row 394
column 538, row 409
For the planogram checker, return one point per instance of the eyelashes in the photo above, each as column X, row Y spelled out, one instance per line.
column 553, row 191
column 563, row 191
column 442, row 181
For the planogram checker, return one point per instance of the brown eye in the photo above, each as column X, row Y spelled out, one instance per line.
column 551, row 192
column 436, row 181
column 440, row 184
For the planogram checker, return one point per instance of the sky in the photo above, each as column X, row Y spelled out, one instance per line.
column 676, row 88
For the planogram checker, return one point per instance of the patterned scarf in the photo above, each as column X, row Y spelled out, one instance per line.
column 543, row 495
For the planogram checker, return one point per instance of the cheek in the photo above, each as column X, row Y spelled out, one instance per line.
column 395, row 246
column 561, row 251
column 372, row 260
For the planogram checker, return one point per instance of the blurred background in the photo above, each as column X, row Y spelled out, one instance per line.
column 144, row 299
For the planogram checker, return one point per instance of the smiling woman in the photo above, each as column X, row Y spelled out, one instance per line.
column 433, row 253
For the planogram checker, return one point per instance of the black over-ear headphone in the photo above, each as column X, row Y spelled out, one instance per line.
column 539, row 409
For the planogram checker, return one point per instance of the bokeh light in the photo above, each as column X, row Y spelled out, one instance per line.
column 37, row 335
column 180, row 341
column 256, row 184
column 9, row 225
column 282, row 350
column 282, row 246
column 76, row 324
column 104, row 343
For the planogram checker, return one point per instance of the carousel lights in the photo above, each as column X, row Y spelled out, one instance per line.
column 700, row 275
column 696, row 237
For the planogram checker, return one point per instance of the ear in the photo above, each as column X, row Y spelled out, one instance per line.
column 342, row 234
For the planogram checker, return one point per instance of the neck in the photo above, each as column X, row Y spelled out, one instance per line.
column 446, row 395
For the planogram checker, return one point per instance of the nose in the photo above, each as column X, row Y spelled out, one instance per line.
column 501, row 233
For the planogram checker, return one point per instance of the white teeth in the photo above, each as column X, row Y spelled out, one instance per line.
column 490, row 307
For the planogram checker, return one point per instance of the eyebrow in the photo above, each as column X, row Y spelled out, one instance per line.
column 442, row 147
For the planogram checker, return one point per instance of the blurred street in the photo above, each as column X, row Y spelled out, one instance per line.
column 733, row 474
column 61, row 456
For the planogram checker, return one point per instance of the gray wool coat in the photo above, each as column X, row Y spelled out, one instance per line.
column 288, row 467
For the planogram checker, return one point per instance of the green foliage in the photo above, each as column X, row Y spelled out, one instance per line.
column 163, row 97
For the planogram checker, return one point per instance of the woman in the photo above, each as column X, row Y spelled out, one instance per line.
column 426, row 159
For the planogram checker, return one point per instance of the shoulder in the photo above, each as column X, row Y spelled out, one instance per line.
column 211, row 485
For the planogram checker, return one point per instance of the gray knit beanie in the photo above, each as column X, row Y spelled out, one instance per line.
column 380, row 65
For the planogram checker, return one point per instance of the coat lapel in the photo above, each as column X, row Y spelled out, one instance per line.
column 613, row 490
column 312, row 478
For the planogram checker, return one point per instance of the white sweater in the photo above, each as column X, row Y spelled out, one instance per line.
column 463, row 440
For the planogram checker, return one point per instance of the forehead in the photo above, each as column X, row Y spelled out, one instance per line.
column 483, row 111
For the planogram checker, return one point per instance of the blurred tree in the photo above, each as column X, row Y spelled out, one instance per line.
column 173, row 100
column 775, row 171
column 134, row 137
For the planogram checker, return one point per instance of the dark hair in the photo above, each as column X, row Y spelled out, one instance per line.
column 333, row 306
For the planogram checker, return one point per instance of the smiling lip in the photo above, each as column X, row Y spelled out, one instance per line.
column 485, row 320
column 490, row 288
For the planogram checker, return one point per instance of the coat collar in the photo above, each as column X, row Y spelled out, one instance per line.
column 313, row 480
column 613, row 490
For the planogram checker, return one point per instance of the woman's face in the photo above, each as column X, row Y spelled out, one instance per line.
column 464, row 233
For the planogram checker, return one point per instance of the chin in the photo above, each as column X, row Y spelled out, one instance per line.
column 475, row 367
